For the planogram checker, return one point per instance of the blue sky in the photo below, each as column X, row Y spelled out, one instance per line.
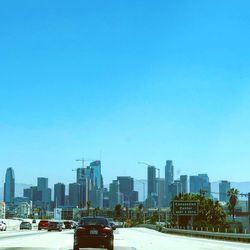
column 124, row 81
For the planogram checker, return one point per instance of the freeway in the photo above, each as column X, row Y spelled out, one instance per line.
column 125, row 239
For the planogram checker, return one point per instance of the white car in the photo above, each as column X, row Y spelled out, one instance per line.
column 3, row 226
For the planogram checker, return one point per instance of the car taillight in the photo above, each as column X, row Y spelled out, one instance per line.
column 106, row 230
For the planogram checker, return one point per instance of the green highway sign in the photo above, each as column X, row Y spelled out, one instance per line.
column 181, row 207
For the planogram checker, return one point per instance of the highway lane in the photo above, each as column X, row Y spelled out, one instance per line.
column 146, row 239
column 125, row 239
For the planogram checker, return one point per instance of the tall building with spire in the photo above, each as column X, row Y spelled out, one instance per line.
column 9, row 186
column 169, row 180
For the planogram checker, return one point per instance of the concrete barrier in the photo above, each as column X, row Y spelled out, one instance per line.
column 212, row 235
column 12, row 224
column 202, row 234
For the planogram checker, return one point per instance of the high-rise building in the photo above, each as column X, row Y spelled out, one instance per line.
column 115, row 197
column 59, row 194
column 151, row 181
column 126, row 188
column 35, row 194
column 27, row 193
column 169, row 179
column 205, row 184
column 169, row 172
column 224, row 186
column 42, row 185
column 200, row 184
column 184, row 183
column 160, row 189
column 105, row 198
column 96, row 197
column 175, row 189
column 91, row 181
column 9, row 186
column 74, row 194
column 195, row 183
column 79, row 175
column 141, row 187
column 96, row 165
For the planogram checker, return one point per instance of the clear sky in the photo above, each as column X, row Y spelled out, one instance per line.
column 124, row 81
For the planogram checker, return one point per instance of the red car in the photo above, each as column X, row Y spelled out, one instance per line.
column 43, row 224
column 93, row 232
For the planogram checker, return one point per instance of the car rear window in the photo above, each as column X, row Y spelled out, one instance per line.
column 94, row 221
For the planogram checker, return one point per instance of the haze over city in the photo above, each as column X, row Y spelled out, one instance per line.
column 124, row 82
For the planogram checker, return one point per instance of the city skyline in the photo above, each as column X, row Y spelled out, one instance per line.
column 43, row 183
column 124, row 82
column 176, row 175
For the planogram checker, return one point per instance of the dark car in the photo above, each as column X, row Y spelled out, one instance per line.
column 25, row 225
column 55, row 225
column 43, row 224
column 93, row 232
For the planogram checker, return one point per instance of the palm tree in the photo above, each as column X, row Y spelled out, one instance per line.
column 233, row 193
column 88, row 206
column 140, row 212
column 118, row 211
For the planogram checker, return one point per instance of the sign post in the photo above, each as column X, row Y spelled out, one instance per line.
column 185, row 208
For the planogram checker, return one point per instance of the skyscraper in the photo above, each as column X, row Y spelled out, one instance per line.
column 127, row 189
column 59, row 194
column 195, row 184
column 160, row 187
column 184, row 183
column 199, row 184
column 151, row 181
column 169, row 179
column 96, row 165
column 115, row 196
column 224, row 186
column 169, row 172
column 175, row 189
column 9, row 186
column 42, row 185
column 205, row 184
column 74, row 194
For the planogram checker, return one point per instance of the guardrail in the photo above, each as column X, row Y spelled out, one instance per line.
column 12, row 224
column 203, row 234
column 211, row 235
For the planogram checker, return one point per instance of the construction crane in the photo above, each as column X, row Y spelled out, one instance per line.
column 144, row 163
column 83, row 160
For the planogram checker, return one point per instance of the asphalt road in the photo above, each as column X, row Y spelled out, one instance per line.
column 125, row 239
